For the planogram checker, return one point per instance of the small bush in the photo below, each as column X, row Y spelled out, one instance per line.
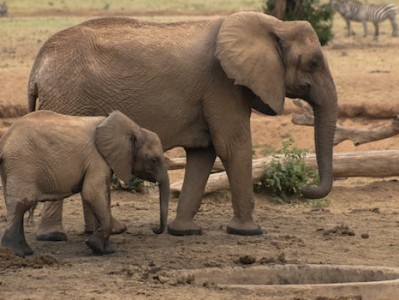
column 288, row 173
column 135, row 184
column 265, row 150
column 319, row 16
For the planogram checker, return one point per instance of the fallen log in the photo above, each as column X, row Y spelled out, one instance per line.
column 362, row 136
column 180, row 163
column 346, row 164
column 357, row 136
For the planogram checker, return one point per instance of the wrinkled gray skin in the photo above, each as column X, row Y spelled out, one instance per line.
column 46, row 156
column 194, row 84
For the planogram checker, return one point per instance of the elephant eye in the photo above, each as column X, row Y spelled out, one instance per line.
column 155, row 160
column 315, row 63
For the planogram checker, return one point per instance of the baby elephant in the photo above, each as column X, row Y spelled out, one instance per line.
column 48, row 156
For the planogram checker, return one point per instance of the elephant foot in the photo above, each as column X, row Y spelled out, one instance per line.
column 181, row 228
column 117, row 227
column 240, row 228
column 18, row 246
column 158, row 230
column 55, row 236
column 20, row 251
column 98, row 246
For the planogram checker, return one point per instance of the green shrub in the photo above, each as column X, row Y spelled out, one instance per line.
column 319, row 16
column 267, row 150
column 264, row 150
column 135, row 184
column 287, row 173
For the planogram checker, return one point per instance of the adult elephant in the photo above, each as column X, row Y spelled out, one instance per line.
column 194, row 84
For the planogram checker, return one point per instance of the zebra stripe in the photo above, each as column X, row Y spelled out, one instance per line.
column 353, row 10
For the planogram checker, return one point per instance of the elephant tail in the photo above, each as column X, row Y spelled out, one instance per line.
column 32, row 95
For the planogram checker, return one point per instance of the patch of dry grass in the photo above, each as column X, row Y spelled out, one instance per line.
column 21, row 7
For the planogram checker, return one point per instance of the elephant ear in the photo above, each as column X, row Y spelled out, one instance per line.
column 114, row 139
column 249, row 52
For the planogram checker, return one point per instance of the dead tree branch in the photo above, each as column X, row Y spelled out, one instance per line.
column 357, row 136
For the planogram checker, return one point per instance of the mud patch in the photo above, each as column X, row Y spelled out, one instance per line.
column 9, row 260
column 342, row 230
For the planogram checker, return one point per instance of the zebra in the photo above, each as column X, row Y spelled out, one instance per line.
column 3, row 9
column 353, row 10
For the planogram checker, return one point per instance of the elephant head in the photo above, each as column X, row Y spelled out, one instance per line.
column 130, row 149
column 277, row 59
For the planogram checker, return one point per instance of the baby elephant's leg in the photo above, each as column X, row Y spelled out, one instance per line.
column 90, row 222
column 96, row 195
column 14, row 235
column 50, row 226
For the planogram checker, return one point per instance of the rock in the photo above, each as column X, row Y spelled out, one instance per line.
column 365, row 235
column 247, row 259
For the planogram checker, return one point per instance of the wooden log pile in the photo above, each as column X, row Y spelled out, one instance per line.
column 345, row 164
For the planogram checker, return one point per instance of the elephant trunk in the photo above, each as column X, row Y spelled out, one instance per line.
column 324, row 126
column 164, row 192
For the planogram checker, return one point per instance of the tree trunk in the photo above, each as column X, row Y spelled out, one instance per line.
column 279, row 9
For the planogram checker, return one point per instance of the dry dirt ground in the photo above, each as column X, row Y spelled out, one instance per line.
column 359, row 226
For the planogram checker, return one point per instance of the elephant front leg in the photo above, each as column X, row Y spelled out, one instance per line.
column 50, row 226
column 96, row 197
column 239, row 171
column 91, row 224
column 98, row 241
column 198, row 167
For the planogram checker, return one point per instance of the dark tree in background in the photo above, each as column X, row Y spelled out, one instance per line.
column 320, row 16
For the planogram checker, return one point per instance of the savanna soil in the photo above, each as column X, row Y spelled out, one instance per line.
column 357, row 224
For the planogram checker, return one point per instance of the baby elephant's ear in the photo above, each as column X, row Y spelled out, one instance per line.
column 114, row 141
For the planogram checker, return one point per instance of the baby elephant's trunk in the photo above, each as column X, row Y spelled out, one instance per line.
column 164, row 191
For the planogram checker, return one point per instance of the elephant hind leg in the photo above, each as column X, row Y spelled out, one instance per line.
column 50, row 226
column 199, row 165
column 14, row 235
